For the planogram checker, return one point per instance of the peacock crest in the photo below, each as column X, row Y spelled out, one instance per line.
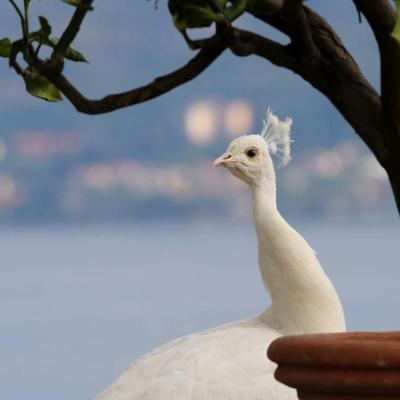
column 277, row 134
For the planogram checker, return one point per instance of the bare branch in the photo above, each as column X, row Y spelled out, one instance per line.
column 375, row 118
column 380, row 15
column 16, row 8
column 316, row 53
column 290, row 18
column 17, row 68
column 299, row 28
column 70, row 32
column 334, row 73
column 21, row 18
column 159, row 86
column 245, row 43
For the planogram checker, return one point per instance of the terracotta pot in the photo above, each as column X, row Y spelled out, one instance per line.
column 339, row 366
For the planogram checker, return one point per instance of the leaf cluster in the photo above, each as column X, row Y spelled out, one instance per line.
column 203, row 13
column 29, row 46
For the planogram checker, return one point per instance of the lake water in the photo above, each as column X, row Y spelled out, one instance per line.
column 78, row 304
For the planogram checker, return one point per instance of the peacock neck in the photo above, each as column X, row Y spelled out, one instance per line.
column 303, row 298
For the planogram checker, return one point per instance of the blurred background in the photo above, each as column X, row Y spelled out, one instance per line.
column 117, row 235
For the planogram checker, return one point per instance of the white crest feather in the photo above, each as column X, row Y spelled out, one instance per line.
column 277, row 134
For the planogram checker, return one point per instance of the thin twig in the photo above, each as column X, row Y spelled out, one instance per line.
column 358, row 13
column 14, row 64
column 157, row 87
column 26, row 16
column 37, row 50
column 299, row 28
column 70, row 32
column 26, row 29
column 21, row 17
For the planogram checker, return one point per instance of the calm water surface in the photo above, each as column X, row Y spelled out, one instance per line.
column 77, row 305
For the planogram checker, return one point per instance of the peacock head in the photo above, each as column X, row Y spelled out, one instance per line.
column 249, row 157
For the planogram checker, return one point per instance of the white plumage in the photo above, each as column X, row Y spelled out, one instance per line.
column 229, row 362
column 277, row 135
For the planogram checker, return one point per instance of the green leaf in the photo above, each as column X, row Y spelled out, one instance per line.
column 75, row 55
column 39, row 86
column 194, row 16
column 396, row 31
column 70, row 54
column 5, row 47
column 45, row 27
column 78, row 3
column 236, row 10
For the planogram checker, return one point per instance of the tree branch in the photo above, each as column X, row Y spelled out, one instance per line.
column 299, row 28
column 381, row 17
column 334, row 73
column 70, row 32
column 375, row 118
column 316, row 53
column 159, row 86
column 244, row 43
column 21, row 17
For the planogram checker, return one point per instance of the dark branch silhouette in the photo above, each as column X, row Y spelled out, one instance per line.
column 315, row 52
column 157, row 87
column 70, row 32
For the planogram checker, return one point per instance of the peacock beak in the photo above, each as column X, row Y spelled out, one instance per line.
column 223, row 160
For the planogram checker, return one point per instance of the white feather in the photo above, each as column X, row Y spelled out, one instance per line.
column 277, row 134
column 224, row 363
column 229, row 362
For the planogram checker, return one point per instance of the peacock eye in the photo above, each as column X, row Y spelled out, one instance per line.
column 251, row 153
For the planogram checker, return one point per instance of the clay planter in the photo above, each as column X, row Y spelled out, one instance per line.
column 339, row 366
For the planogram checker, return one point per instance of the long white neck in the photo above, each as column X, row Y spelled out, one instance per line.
column 303, row 298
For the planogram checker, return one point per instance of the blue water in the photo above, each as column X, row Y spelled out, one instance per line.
column 77, row 305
